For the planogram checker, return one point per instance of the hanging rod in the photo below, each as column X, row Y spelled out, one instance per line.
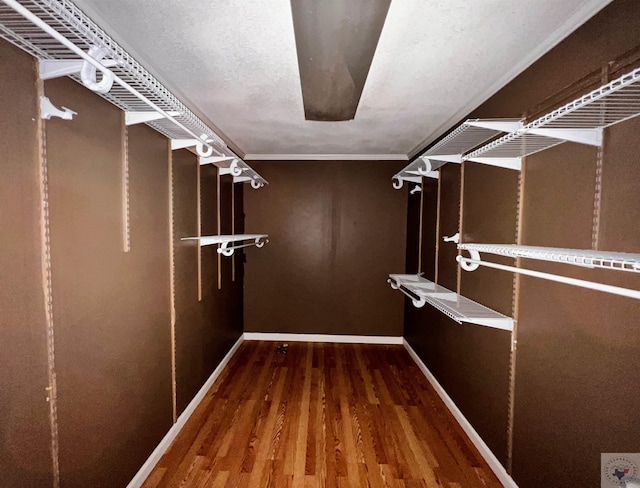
column 417, row 301
column 471, row 264
column 227, row 250
column 226, row 241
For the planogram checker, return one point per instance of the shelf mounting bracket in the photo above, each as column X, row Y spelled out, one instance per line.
column 132, row 118
column 591, row 137
column 48, row 110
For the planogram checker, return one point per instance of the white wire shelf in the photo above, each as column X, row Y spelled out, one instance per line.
column 580, row 121
column 57, row 31
column 227, row 243
column 577, row 257
column 458, row 308
column 468, row 135
column 241, row 171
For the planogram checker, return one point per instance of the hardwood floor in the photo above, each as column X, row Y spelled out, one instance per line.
column 322, row 415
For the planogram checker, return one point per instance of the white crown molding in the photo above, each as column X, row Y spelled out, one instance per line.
column 337, row 338
column 482, row 447
column 144, row 472
column 326, row 157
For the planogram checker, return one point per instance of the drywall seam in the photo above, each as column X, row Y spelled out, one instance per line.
column 330, row 338
column 482, row 447
column 144, row 472
column 47, row 286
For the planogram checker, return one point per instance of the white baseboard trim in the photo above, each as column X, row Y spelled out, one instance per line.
column 482, row 447
column 144, row 472
column 337, row 338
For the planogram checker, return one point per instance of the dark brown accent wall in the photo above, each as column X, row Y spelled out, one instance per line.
column 111, row 331
column 25, row 441
column 449, row 210
column 577, row 350
column 489, row 216
column 205, row 329
column 337, row 230
column 429, row 235
column 189, row 335
column 111, row 316
column 414, row 213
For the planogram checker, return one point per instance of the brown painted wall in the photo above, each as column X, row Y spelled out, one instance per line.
column 25, row 455
column 577, row 350
column 206, row 328
column 112, row 347
column 449, row 211
column 337, row 230
column 111, row 308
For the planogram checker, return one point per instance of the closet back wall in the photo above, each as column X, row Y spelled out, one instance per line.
column 337, row 229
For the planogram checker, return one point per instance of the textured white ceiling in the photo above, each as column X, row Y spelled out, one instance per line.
column 235, row 64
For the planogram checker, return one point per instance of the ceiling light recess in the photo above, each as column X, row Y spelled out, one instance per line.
column 68, row 43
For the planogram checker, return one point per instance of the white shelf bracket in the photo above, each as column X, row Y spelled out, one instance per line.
column 447, row 158
column 48, row 110
column 133, row 118
column 256, row 185
column 182, row 143
column 501, row 125
column 415, row 189
column 49, row 69
column 199, row 144
column 454, row 238
column 509, row 163
column 591, row 137
column 397, row 182
column 429, row 166
column 215, row 159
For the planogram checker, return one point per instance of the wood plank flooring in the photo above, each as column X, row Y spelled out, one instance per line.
column 322, row 415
